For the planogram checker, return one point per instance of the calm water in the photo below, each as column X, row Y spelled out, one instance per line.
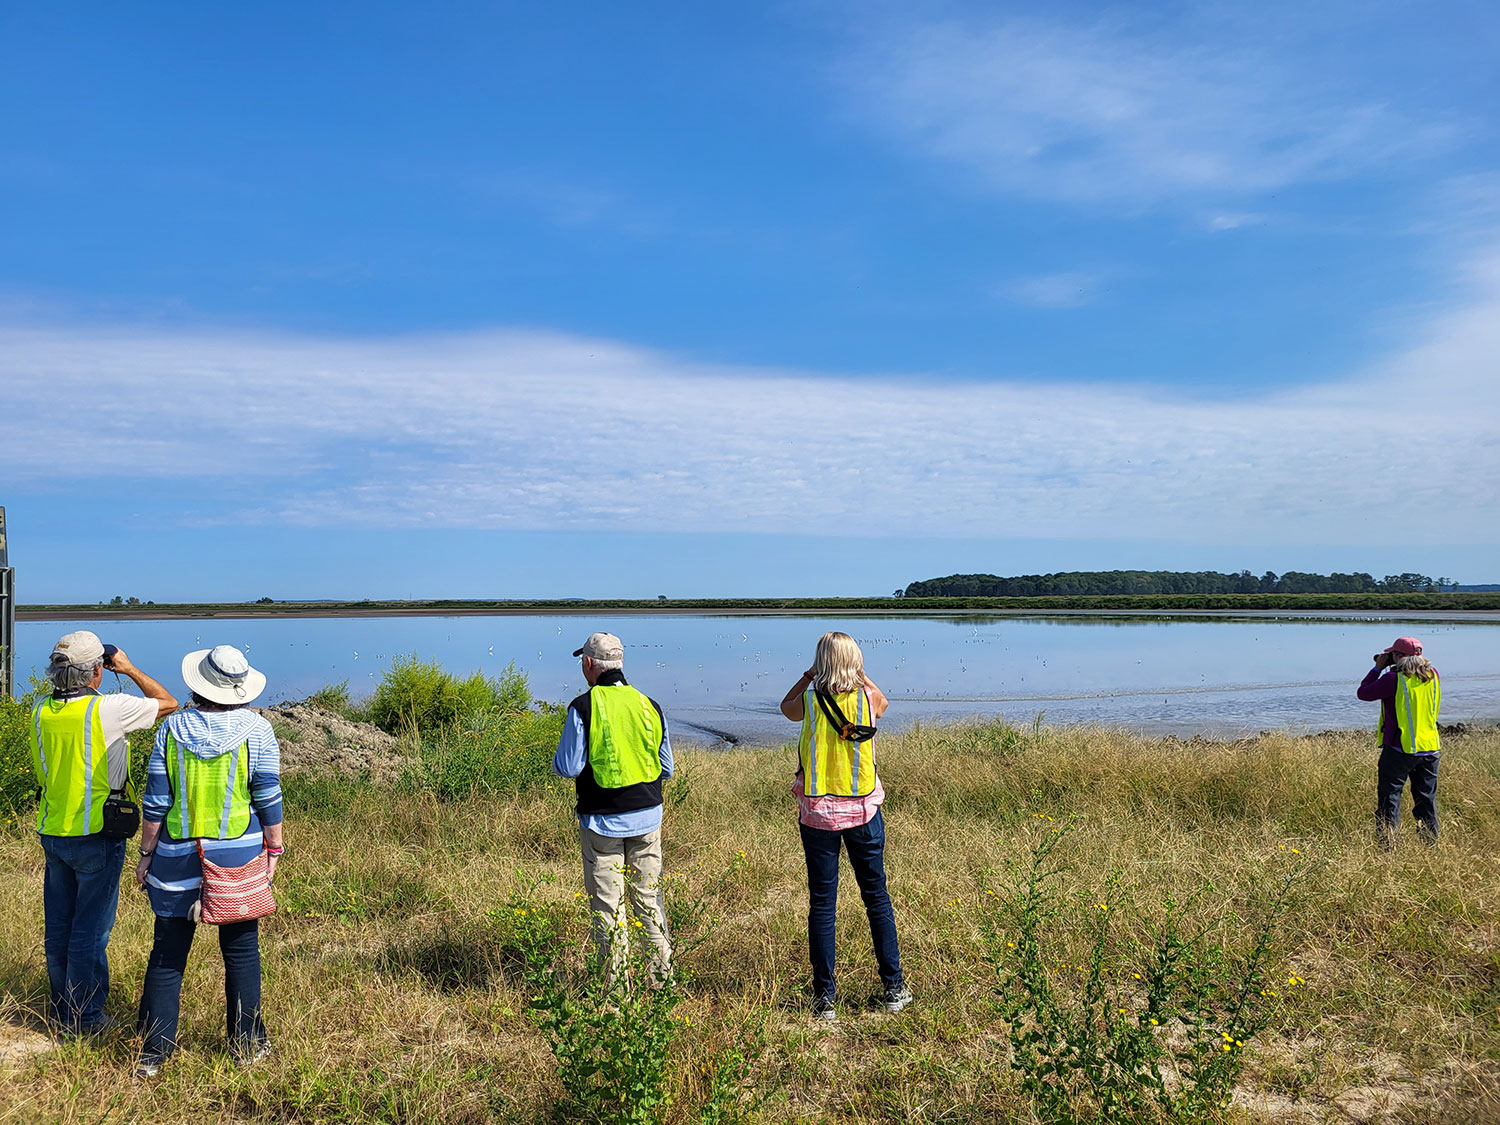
column 725, row 675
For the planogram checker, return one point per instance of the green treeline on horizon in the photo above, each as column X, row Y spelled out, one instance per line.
column 1075, row 583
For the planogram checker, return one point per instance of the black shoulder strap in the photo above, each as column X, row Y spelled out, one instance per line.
column 849, row 732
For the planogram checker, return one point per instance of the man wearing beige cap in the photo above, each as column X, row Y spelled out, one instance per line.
column 614, row 745
column 81, row 756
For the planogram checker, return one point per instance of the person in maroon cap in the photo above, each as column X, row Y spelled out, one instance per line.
column 1409, row 692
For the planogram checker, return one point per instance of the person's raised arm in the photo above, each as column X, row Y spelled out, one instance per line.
column 878, row 701
column 165, row 703
column 791, row 705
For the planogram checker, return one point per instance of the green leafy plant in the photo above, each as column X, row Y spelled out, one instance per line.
column 418, row 696
column 1124, row 1029
column 612, row 1040
column 728, row 1101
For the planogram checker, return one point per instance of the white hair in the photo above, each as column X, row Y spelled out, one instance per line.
column 70, row 679
column 607, row 665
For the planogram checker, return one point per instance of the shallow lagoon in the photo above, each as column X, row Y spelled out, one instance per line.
column 723, row 676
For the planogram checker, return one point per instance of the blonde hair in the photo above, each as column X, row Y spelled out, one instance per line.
column 1418, row 666
column 839, row 666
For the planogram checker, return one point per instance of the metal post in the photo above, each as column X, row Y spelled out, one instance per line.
column 7, row 617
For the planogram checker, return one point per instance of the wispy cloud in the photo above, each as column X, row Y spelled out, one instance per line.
column 1132, row 112
column 1068, row 290
column 529, row 430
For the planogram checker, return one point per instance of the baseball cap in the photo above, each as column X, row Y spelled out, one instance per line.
column 1406, row 646
column 602, row 646
column 81, row 647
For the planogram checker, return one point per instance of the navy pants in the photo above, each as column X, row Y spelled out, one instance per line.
column 80, row 894
column 161, row 998
column 866, row 846
column 1395, row 770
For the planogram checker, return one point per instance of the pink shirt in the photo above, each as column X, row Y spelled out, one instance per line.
column 834, row 814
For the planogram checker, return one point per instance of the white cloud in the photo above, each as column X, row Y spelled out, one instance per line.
column 1069, row 290
column 1117, row 112
column 528, row 430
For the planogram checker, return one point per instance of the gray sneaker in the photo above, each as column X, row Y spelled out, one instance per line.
column 896, row 998
column 248, row 1054
column 822, row 1008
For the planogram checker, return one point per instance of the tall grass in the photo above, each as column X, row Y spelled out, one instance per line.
column 392, row 995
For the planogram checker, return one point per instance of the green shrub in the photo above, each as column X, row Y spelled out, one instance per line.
column 1122, row 1029
column 417, row 695
column 17, row 780
column 335, row 698
column 494, row 752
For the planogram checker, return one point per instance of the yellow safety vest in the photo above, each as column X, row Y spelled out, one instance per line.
column 1416, row 706
column 71, row 760
column 625, row 735
column 830, row 765
column 210, row 799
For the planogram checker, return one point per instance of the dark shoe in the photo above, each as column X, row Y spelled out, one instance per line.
column 896, row 998
column 822, row 1008
column 148, row 1067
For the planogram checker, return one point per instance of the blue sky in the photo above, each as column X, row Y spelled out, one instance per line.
column 327, row 299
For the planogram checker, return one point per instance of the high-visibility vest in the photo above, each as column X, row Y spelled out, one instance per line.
column 71, row 760
column 210, row 799
column 830, row 765
column 625, row 735
column 1416, row 706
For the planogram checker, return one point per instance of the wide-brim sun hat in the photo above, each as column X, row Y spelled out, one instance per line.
column 223, row 675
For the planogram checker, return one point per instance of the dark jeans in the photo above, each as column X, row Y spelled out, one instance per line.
column 80, row 892
column 161, row 998
column 1396, row 768
column 866, row 846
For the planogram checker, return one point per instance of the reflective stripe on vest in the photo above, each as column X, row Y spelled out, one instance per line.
column 830, row 765
column 64, row 733
column 1416, row 713
column 625, row 734
column 210, row 799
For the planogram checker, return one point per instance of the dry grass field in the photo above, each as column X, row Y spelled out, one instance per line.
column 393, row 991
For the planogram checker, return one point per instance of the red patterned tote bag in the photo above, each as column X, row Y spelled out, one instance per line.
column 235, row 894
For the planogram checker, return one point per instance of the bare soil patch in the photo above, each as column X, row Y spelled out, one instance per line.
column 316, row 740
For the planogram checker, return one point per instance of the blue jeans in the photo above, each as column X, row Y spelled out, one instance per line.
column 80, row 893
column 1396, row 768
column 866, row 846
column 161, row 996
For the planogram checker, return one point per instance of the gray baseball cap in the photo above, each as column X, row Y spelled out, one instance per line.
column 602, row 646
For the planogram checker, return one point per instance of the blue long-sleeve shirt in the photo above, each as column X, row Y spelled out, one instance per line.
column 573, row 754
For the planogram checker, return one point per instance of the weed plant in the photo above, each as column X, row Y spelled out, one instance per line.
column 1133, row 1028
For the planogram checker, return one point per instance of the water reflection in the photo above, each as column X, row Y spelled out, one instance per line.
column 723, row 676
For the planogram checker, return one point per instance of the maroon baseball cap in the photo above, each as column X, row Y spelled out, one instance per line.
column 1406, row 646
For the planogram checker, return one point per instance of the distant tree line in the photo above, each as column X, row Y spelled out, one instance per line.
column 1080, row 582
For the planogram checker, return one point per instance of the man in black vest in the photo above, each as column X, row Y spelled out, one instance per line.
column 614, row 745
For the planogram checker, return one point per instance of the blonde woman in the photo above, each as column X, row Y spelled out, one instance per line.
column 1409, row 692
column 839, row 797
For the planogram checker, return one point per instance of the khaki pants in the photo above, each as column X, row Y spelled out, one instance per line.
column 605, row 878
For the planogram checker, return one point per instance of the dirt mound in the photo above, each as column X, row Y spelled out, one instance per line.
column 316, row 740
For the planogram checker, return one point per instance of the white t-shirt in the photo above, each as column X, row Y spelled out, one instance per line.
column 120, row 714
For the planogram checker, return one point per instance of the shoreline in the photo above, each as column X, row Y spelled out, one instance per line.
column 1411, row 607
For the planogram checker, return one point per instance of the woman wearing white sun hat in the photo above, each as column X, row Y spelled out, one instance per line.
column 228, row 754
